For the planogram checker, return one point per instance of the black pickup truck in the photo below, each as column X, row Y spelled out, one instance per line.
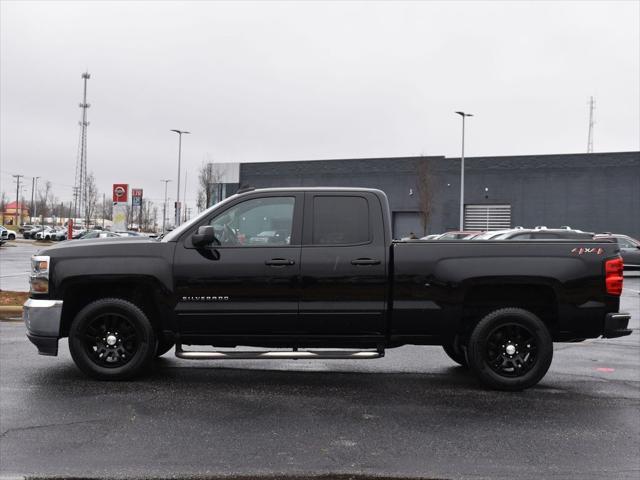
column 314, row 273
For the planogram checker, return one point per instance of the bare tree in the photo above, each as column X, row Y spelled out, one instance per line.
column 147, row 215
column 3, row 203
column 46, row 200
column 209, row 177
column 91, row 200
column 425, row 193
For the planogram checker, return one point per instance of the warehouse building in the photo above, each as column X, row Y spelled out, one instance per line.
column 594, row 192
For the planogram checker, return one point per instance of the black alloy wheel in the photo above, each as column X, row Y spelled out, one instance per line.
column 510, row 349
column 112, row 339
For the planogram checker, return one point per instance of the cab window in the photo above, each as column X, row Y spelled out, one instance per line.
column 257, row 222
column 340, row 220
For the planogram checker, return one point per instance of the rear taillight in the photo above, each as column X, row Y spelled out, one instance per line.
column 613, row 276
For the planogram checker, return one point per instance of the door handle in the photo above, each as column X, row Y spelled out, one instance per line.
column 365, row 261
column 279, row 262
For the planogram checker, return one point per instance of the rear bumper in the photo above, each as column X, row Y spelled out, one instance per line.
column 615, row 325
column 42, row 319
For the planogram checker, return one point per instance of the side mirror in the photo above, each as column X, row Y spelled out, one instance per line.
column 204, row 236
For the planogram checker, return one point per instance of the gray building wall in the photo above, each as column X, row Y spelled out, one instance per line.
column 594, row 192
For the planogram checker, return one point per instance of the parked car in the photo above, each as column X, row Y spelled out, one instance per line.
column 98, row 234
column 45, row 234
column 7, row 234
column 629, row 248
column 129, row 233
column 340, row 283
column 458, row 235
column 544, row 234
column 60, row 234
column 79, row 232
column 31, row 233
column 488, row 235
column 24, row 227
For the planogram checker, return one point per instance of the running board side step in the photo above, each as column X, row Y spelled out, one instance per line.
column 279, row 355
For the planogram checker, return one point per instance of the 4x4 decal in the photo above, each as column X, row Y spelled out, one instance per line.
column 583, row 250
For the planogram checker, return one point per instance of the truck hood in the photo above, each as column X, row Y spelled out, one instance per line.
column 126, row 246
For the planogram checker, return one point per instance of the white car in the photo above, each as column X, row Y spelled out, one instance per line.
column 46, row 234
column 60, row 234
column 7, row 234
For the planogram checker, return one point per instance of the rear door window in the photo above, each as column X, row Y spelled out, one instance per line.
column 340, row 220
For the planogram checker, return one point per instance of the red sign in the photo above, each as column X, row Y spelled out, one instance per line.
column 120, row 192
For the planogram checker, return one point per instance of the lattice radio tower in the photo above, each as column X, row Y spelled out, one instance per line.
column 592, row 107
column 80, row 187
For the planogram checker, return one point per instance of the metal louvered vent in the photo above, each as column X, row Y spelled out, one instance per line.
column 487, row 217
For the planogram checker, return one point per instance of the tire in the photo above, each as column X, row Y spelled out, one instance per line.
column 163, row 347
column 12, row 236
column 105, row 321
column 510, row 349
column 455, row 352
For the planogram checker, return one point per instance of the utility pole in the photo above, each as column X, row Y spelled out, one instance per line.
column 592, row 106
column 104, row 205
column 81, row 164
column 17, row 214
column 463, row 115
column 180, row 133
column 164, row 206
column 34, row 183
column 35, row 205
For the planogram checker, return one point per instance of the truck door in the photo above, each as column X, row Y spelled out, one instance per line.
column 247, row 281
column 343, row 265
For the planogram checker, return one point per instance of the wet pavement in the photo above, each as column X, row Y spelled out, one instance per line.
column 15, row 257
column 413, row 413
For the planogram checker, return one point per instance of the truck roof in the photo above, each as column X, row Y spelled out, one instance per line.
column 242, row 191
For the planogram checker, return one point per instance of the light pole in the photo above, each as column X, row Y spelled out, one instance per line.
column 463, row 115
column 164, row 208
column 179, row 132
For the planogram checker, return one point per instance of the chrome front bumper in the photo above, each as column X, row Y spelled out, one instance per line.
column 43, row 319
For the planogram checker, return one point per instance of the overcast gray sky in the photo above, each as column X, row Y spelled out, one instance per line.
column 271, row 81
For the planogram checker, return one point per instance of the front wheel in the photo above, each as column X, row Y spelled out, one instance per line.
column 510, row 349
column 112, row 339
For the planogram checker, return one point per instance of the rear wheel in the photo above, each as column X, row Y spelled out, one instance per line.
column 510, row 349
column 112, row 339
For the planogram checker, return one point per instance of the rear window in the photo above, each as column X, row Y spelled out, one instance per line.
column 340, row 220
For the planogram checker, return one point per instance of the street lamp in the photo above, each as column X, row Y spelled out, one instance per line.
column 463, row 115
column 164, row 205
column 179, row 132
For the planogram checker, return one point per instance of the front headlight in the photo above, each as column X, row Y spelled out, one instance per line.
column 39, row 279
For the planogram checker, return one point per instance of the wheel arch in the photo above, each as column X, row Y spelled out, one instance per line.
column 483, row 296
column 145, row 292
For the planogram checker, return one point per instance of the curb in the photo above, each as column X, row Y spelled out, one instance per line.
column 11, row 313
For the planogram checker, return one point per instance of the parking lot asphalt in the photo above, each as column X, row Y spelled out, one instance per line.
column 14, row 264
column 411, row 414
